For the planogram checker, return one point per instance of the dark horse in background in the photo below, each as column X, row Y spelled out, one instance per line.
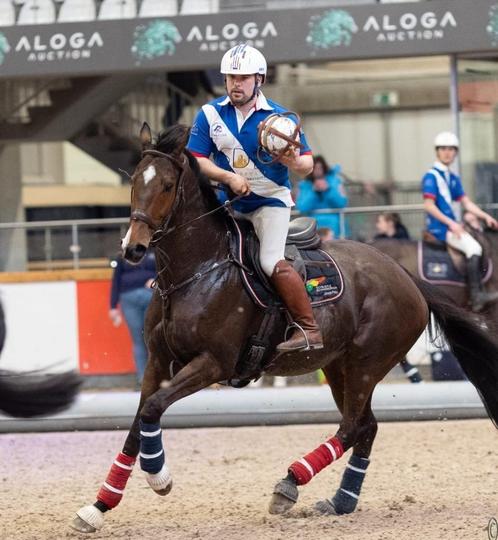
column 405, row 252
column 34, row 394
column 201, row 317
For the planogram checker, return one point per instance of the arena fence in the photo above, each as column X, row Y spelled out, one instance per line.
column 261, row 406
column 89, row 243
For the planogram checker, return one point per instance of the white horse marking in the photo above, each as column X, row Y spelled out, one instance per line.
column 149, row 174
column 126, row 239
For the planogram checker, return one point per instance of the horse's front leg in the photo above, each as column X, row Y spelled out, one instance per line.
column 91, row 518
column 199, row 373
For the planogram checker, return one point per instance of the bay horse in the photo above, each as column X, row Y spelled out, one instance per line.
column 405, row 252
column 201, row 316
column 34, row 394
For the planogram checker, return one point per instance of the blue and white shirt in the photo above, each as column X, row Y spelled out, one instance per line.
column 444, row 187
column 220, row 130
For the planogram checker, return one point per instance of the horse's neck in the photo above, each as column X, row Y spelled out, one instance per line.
column 196, row 240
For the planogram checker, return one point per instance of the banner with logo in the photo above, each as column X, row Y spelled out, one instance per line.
column 293, row 35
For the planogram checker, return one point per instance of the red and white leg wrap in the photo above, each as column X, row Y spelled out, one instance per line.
column 304, row 469
column 112, row 489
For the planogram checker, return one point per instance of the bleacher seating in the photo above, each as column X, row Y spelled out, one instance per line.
column 77, row 11
column 37, row 12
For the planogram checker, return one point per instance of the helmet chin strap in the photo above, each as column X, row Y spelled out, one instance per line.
column 254, row 91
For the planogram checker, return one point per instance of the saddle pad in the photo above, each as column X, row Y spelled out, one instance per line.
column 324, row 280
column 436, row 266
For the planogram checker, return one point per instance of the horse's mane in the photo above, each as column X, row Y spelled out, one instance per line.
column 168, row 142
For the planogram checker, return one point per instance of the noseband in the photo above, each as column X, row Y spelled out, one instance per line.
column 159, row 231
column 140, row 215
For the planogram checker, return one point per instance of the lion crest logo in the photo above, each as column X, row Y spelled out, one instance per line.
column 334, row 28
column 156, row 39
column 4, row 47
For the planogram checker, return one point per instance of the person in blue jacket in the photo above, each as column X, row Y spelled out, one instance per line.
column 323, row 189
column 131, row 291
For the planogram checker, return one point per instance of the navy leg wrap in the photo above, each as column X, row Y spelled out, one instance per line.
column 346, row 498
column 151, row 447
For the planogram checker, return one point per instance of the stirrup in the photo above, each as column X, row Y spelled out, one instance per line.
column 306, row 347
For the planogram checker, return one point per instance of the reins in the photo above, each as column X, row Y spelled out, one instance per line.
column 159, row 232
column 139, row 215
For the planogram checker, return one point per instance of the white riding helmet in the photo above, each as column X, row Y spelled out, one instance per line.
column 243, row 60
column 446, row 138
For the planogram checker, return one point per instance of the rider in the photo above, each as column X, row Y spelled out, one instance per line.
column 440, row 188
column 227, row 127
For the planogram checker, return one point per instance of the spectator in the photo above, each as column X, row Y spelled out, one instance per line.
column 323, row 189
column 389, row 225
column 131, row 290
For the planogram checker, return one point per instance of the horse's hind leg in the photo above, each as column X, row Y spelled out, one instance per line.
column 352, row 393
column 346, row 497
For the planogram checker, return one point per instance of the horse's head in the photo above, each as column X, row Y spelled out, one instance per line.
column 154, row 185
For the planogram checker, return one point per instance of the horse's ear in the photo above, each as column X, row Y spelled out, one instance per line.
column 145, row 136
column 181, row 136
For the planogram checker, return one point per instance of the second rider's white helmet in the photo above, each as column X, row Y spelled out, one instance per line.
column 243, row 60
column 446, row 138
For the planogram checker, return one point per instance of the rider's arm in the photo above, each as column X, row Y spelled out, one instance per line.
column 431, row 208
column 474, row 209
column 302, row 164
column 470, row 206
column 201, row 146
column 237, row 183
column 299, row 162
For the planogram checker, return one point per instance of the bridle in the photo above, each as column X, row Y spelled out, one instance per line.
column 141, row 215
column 160, row 231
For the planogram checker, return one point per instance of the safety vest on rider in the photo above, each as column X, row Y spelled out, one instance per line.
column 219, row 129
column 444, row 187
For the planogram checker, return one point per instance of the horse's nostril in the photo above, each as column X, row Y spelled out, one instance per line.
column 135, row 253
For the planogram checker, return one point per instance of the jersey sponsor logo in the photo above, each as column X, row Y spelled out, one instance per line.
column 217, row 131
column 240, row 158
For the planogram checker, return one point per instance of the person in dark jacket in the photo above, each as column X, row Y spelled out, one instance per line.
column 389, row 225
column 131, row 291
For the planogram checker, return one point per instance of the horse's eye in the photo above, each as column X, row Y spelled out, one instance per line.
column 168, row 186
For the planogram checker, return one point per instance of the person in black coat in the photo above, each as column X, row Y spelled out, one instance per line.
column 389, row 225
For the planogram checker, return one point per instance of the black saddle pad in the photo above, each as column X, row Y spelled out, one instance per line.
column 436, row 266
column 321, row 274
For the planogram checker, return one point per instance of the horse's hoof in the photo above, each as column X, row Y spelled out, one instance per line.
column 325, row 508
column 284, row 497
column 89, row 519
column 160, row 482
column 165, row 490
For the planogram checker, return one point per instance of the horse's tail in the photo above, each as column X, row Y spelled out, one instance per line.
column 474, row 347
column 27, row 395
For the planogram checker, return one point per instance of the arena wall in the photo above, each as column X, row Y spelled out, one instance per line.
column 60, row 321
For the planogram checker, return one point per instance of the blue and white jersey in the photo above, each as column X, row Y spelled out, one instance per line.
column 444, row 187
column 220, row 130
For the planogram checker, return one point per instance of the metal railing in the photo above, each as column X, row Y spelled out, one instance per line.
column 90, row 242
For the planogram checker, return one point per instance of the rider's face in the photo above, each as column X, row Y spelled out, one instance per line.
column 240, row 88
column 446, row 154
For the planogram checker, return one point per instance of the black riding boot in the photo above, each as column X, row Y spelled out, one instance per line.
column 478, row 297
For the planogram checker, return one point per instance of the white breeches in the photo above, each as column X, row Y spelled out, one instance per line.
column 271, row 224
column 466, row 244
